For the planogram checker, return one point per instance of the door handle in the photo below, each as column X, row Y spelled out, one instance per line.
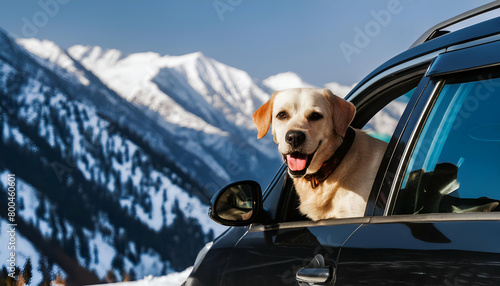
column 313, row 276
column 316, row 273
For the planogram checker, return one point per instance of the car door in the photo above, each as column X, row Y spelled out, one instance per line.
column 293, row 247
column 437, row 216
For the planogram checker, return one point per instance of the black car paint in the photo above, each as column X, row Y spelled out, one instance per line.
column 275, row 255
column 422, row 253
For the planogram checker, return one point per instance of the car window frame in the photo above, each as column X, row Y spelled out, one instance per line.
column 446, row 65
column 374, row 89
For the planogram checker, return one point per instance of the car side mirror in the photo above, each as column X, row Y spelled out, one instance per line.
column 237, row 204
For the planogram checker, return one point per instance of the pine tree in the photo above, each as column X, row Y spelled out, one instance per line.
column 84, row 247
column 3, row 277
column 96, row 255
column 10, row 281
column 44, row 269
column 126, row 277
column 129, row 187
column 59, row 280
column 20, row 281
column 27, row 271
column 131, row 275
column 118, row 184
column 110, row 276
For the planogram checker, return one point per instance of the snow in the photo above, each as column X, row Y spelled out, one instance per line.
column 173, row 279
column 23, row 247
column 25, row 193
column 13, row 133
column 285, row 80
column 24, row 250
column 55, row 56
column 139, row 77
column 102, row 258
column 192, row 207
column 100, row 261
column 5, row 71
column 31, row 201
column 203, row 103
column 131, row 77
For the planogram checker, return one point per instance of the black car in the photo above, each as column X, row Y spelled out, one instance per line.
column 433, row 214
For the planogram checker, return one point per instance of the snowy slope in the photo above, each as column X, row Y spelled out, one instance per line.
column 173, row 279
column 131, row 78
column 56, row 58
column 93, row 189
column 205, row 87
column 196, row 92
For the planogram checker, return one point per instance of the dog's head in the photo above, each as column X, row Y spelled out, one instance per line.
column 308, row 125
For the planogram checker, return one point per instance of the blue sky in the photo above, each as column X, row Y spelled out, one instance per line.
column 262, row 37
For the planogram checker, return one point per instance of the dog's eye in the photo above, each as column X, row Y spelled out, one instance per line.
column 315, row 116
column 282, row 115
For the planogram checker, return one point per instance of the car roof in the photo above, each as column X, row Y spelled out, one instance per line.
column 481, row 30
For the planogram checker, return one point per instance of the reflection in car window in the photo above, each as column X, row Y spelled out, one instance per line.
column 455, row 167
column 383, row 124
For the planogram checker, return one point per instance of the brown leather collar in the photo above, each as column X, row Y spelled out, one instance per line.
column 333, row 162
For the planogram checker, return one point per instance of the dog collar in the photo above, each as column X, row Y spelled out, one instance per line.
column 333, row 162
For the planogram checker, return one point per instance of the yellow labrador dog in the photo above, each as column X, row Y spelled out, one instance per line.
column 333, row 165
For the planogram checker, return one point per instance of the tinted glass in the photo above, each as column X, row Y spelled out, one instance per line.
column 455, row 165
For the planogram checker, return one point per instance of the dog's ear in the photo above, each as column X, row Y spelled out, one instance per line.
column 342, row 111
column 262, row 117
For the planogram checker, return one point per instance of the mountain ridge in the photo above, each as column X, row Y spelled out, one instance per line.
column 68, row 142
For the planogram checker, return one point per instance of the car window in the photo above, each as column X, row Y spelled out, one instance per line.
column 384, row 122
column 454, row 166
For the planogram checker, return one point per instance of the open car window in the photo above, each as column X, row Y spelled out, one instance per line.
column 454, row 165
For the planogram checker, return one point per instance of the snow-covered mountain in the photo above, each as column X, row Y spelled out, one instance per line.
column 196, row 97
column 95, row 195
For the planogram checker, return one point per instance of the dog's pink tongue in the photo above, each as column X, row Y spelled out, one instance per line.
column 296, row 162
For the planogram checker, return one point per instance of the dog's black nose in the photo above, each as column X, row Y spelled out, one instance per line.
column 295, row 138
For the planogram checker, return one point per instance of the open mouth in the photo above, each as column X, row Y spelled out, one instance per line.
column 298, row 162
